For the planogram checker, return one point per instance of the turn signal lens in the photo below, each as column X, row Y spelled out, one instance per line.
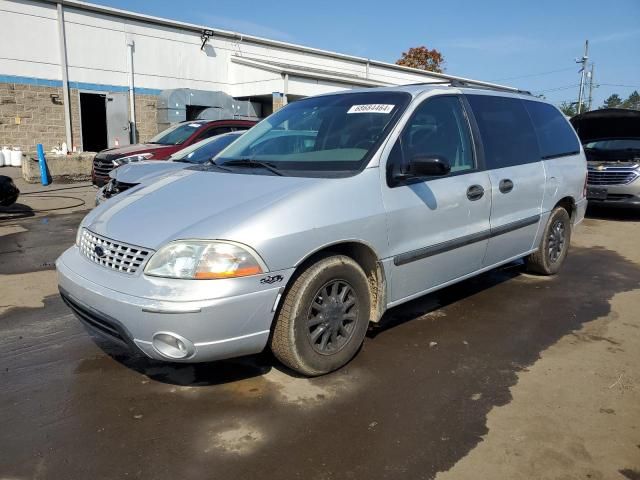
column 225, row 260
column 241, row 272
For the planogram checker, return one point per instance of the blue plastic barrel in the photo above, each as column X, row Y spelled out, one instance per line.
column 44, row 175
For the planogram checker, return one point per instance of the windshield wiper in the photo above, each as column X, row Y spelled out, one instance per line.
column 248, row 162
column 209, row 164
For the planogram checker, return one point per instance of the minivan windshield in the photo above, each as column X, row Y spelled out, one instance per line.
column 321, row 135
column 176, row 134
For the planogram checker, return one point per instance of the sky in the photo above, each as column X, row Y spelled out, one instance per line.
column 529, row 44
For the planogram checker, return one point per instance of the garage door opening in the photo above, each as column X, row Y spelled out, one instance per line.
column 93, row 114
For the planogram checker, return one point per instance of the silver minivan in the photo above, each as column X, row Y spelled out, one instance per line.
column 323, row 216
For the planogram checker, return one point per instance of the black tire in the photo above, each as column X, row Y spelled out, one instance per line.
column 554, row 244
column 310, row 304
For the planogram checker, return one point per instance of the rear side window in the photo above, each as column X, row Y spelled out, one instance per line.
column 555, row 136
column 507, row 133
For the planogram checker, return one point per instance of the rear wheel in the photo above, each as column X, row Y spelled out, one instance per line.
column 554, row 244
column 324, row 317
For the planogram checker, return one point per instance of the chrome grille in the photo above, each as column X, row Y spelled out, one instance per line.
column 612, row 176
column 116, row 255
column 102, row 167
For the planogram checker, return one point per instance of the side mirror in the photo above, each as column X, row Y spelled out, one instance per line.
column 428, row 165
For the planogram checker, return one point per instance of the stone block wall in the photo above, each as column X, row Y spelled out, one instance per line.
column 29, row 115
column 146, row 121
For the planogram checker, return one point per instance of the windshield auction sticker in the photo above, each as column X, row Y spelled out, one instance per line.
column 371, row 108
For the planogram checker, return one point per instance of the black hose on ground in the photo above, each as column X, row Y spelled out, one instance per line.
column 9, row 195
column 58, row 189
column 80, row 203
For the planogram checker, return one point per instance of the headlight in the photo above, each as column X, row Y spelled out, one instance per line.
column 132, row 158
column 204, row 260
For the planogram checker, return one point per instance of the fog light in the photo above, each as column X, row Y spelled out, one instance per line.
column 173, row 346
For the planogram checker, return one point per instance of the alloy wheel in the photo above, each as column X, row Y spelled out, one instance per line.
column 557, row 240
column 332, row 317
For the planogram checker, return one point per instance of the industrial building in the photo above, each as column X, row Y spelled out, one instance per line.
column 95, row 77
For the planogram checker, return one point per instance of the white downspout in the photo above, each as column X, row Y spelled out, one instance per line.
column 285, row 89
column 132, row 97
column 62, row 39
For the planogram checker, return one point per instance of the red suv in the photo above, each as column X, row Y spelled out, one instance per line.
column 160, row 147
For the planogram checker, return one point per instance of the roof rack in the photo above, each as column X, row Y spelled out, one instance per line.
column 455, row 82
column 488, row 86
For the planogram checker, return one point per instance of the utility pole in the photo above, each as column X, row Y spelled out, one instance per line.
column 590, row 87
column 583, row 72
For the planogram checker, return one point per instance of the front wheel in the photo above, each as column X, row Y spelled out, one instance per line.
column 324, row 317
column 554, row 244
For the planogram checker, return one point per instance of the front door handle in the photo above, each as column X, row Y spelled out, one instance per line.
column 475, row 192
column 505, row 185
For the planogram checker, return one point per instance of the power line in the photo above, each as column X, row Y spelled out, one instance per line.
column 557, row 89
column 618, row 85
column 533, row 74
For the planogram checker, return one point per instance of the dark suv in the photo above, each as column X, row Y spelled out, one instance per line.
column 162, row 146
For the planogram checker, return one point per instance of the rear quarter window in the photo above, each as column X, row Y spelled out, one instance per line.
column 507, row 133
column 555, row 135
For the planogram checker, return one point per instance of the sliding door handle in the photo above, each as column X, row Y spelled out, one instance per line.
column 475, row 192
column 505, row 185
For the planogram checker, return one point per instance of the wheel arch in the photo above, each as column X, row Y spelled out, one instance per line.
column 569, row 204
column 365, row 256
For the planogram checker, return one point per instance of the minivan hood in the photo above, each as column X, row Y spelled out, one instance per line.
column 189, row 204
column 143, row 172
column 159, row 151
column 607, row 124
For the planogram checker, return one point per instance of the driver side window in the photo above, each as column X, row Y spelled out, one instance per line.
column 439, row 128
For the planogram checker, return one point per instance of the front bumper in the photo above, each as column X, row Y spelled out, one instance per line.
column 627, row 195
column 217, row 328
column 617, row 200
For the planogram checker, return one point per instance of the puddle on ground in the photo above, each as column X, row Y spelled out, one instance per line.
column 241, row 439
